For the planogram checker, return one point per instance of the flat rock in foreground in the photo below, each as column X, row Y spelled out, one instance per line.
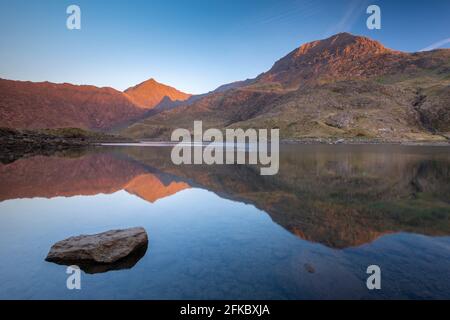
column 102, row 248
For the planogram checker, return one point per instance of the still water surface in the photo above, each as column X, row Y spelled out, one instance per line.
column 225, row 232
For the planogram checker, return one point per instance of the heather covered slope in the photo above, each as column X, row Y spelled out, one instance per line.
column 32, row 105
column 341, row 87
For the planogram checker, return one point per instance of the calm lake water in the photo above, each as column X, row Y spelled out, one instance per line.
column 226, row 232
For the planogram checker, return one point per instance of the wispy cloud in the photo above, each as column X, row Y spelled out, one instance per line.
column 436, row 45
column 282, row 13
column 299, row 9
column 354, row 11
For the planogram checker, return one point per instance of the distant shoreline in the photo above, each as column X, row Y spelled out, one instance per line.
column 29, row 141
column 32, row 143
column 165, row 143
column 367, row 142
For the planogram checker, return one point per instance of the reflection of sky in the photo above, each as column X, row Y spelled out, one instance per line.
column 193, row 45
column 203, row 246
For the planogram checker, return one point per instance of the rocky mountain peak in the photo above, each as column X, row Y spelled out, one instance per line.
column 339, row 57
column 150, row 93
column 341, row 44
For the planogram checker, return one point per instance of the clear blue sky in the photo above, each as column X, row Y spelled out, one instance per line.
column 193, row 45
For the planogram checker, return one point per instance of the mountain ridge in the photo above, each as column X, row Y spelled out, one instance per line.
column 37, row 105
column 44, row 105
column 344, row 86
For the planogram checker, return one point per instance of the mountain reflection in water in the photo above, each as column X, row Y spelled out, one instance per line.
column 340, row 197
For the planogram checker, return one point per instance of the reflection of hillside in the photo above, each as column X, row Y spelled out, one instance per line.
column 339, row 196
column 89, row 174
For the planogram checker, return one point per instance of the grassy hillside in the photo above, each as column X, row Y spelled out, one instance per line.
column 415, row 107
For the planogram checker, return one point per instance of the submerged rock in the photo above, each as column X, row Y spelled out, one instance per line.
column 125, row 263
column 309, row 268
column 103, row 248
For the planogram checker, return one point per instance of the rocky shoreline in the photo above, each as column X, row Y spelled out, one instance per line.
column 360, row 141
column 347, row 141
column 16, row 143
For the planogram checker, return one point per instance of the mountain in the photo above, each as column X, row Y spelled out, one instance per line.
column 32, row 105
column 150, row 93
column 345, row 86
column 340, row 57
column 38, row 105
column 166, row 103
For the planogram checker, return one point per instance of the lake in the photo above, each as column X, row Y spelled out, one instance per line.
column 226, row 232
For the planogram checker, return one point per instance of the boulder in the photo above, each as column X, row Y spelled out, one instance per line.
column 102, row 248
